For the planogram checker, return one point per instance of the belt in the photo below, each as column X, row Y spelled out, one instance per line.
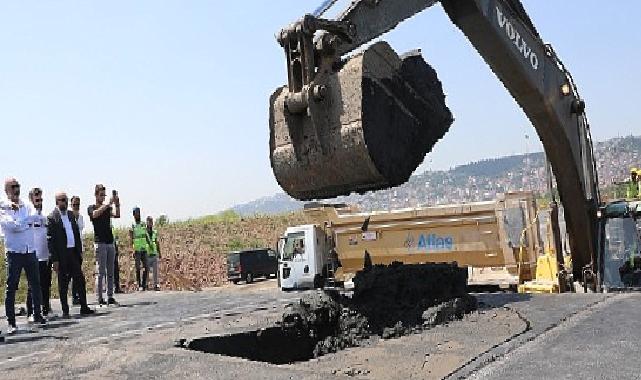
column 20, row 253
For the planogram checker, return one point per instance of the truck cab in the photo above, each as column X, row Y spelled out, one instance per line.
column 302, row 257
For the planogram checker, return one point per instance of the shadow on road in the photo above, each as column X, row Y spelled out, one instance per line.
column 58, row 324
column 255, row 281
column 32, row 338
column 134, row 304
column 494, row 300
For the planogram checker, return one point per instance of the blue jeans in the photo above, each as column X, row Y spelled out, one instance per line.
column 15, row 263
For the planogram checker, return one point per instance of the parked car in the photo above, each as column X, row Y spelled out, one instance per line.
column 249, row 264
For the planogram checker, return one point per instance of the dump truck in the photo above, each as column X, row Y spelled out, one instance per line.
column 498, row 241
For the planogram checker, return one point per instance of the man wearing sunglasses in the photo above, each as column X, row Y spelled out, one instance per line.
column 16, row 221
column 42, row 253
column 65, row 248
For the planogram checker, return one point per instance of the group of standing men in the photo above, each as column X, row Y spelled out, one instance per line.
column 41, row 244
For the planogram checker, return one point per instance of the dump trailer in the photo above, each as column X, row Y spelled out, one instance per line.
column 497, row 241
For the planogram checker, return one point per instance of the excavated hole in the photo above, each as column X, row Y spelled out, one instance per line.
column 388, row 301
column 269, row 345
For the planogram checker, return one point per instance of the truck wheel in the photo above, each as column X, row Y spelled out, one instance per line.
column 249, row 278
column 235, row 282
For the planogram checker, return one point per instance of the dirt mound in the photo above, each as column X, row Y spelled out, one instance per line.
column 388, row 301
column 387, row 295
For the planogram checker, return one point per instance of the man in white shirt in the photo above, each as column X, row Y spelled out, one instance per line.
column 42, row 253
column 16, row 221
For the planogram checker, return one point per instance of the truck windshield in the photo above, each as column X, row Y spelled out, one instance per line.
column 293, row 244
column 621, row 259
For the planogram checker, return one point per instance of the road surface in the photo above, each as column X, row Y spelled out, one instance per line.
column 512, row 336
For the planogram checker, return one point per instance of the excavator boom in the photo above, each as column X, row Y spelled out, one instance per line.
column 366, row 122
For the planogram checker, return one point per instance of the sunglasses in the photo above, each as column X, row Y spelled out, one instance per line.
column 15, row 186
column 37, row 200
column 61, row 199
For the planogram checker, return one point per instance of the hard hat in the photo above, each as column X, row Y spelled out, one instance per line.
column 634, row 170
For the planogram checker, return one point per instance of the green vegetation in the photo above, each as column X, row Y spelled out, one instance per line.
column 228, row 216
column 236, row 244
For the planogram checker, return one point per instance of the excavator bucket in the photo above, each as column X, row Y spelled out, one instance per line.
column 367, row 126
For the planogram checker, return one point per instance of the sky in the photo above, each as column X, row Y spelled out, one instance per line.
column 167, row 101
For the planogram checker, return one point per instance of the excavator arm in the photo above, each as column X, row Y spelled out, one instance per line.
column 325, row 142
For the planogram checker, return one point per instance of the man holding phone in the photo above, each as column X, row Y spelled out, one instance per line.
column 100, row 215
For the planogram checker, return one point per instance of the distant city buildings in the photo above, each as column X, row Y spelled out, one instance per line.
column 477, row 181
column 485, row 179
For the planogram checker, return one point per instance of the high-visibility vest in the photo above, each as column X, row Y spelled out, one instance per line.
column 153, row 243
column 140, row 237
column 632, row 190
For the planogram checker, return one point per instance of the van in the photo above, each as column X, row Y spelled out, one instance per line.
column 249, row 264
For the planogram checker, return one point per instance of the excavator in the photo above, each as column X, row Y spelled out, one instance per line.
column 355, row 116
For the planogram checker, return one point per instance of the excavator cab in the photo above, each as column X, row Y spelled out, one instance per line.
column 620, row 246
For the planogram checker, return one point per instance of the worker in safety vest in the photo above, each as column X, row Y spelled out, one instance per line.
column 632, row 190
column 140, row 244
column 154, row 250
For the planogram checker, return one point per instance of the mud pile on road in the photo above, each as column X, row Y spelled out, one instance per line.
column 388, row 301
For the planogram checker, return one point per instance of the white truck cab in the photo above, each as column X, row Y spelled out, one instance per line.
column 302, row 257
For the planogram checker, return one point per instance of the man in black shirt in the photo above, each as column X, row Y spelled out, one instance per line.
column 100, row 215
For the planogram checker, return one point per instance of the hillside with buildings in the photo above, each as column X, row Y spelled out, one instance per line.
column 477, row 181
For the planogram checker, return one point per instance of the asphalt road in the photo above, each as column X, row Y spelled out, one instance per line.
column 138, row 313
column 590, row 336
column 599, row 342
